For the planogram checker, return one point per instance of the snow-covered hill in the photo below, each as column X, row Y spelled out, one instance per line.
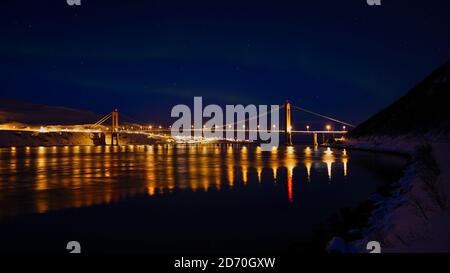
column 415, row 217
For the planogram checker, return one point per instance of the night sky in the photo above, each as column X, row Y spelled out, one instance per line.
column 340, row 58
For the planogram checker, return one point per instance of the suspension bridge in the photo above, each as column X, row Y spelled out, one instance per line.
column 239, row 126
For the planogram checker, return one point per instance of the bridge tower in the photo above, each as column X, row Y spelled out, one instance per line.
column 288, row 129
column 115, row 127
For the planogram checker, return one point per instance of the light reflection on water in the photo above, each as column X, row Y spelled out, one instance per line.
column 39, row 179
column 214, row 197
column 62, row 177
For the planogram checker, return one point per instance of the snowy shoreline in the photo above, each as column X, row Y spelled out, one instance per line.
column 11, row 138
column 414, row 218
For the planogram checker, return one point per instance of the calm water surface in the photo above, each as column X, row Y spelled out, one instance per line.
column 179, row 198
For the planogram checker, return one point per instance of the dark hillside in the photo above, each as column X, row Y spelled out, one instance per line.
column 424, row 109
column 12, row 111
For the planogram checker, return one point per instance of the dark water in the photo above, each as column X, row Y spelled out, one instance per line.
column 165, row 198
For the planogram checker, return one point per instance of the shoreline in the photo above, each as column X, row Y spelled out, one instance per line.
column 16, row 138
column 380, row 151
column 413, row 215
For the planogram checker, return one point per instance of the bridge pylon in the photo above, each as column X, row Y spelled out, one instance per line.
column 315, row 141
column 288, row 129
column 115, row 128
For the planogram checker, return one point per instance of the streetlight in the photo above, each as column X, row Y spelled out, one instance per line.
column 328, row 127
column 307, row 127
column 344, row 127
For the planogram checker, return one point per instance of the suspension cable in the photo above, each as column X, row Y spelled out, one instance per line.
column 254, row 117
column 323, row 116
column 103, row 119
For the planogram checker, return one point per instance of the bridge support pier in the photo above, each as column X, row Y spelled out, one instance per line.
column 115, row 128
column 288, row 129
column 315, row 142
